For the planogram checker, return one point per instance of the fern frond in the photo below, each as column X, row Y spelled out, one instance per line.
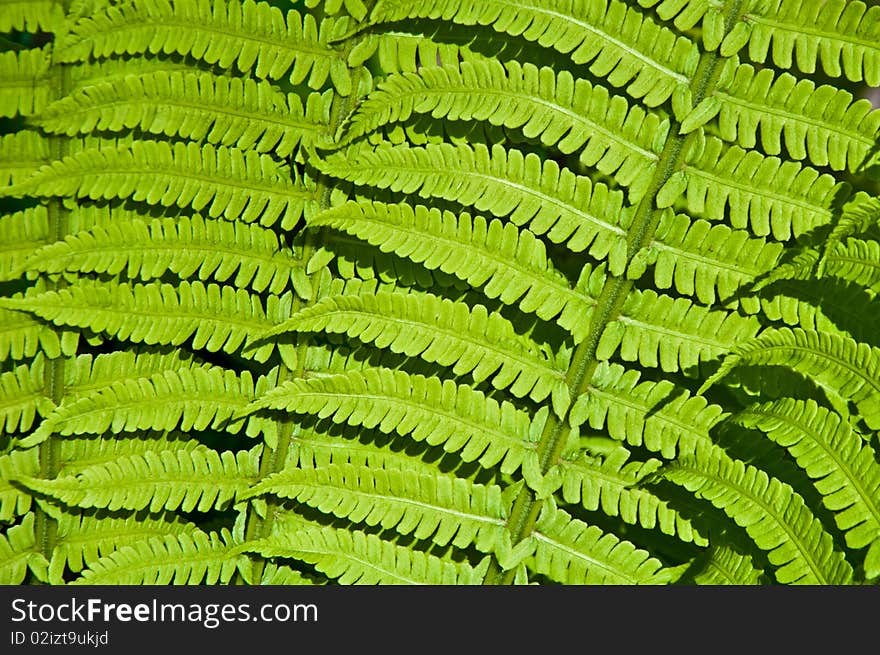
column 15, row 500
column 657, row 415
column 672, row 333
column 549, row 200
column 506, row 263
column 18, row 552
column 615, row 40
column 83, row 539
column 466, row 338
column 76, row 453
column 21, row 155
column 354, row 557
column 571, row 552
column 821, row 124
column 236, row 184
column 21, row 234
column 247, row 255
column 706, row 261
column 85, row 373
column 199, row 479
column 251, row 36
column 193, row 105
column 217, row 318
column 186, row 558
column 196, row 398
column 30, row 16
column 442, row 509
column 839, row 34
column 766, row 194
column 22, row 336
column 844, row 468
column 611, row 484
column 772, row 513
column 841, row 366
column 569, row 114
column 460, row 419
column 854, row 260
column 725, row 566
column 24, row 83
column 23, row 397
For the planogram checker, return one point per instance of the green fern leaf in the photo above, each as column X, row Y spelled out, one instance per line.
column 844, row 468
column 14, row 500
column 215, row 318
column 611, row 484
column 21, row 234
column 21, row 155
column 86, row 373
column 22, row 397
column 672, row 333
column 616, row 41
column 842, row 35
column 657, row 415
column 354, row 557
column 470, row 340
column 196, row 106
column 571, row 552
column 187, row 558
column 30, row 16
column 18, row 553
column 246, row 255
column 460, row 419
column 24, row 83
column 766, row 194
column 251, row 36
column 843, row 367
column 22, row 336
column 195, row 398
column 199, row 479
column 83, row 539
column 507, row 263
column 706, row 261
column 772, row 513
column 444, row 509
column 571, row 115
column 725, row 566
column 821, row 124
column 236, row 184
column 547, row 199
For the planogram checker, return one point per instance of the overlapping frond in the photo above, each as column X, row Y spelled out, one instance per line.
column 197, row 479
column 725, row 566
column 235, row 184
column 22, row 398
column 843, row 367
column 843, row 466
column 442, row 509
column 504, row 262
column 187, row 558
column 538, row 194
column 617, row 41
column 772, row 513
column 468, row 339
column 217, row 318
column 458, row 418
column 195, row 398
column 199, row 106
column 355, row 557
column 569, row 114
column 247, row 255
column 18, row 553
column 14, row 499
column 250, row 36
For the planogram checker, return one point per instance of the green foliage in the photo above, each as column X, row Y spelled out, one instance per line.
column 439, row 292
